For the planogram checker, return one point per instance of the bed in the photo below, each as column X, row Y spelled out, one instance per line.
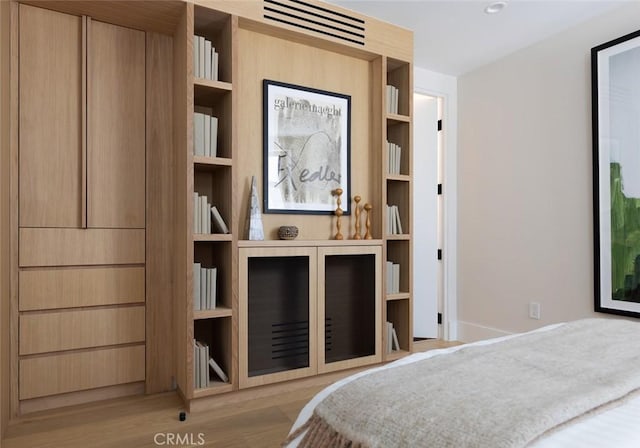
column 574, row 385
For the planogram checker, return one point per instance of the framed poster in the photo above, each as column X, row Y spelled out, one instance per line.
column 615, row 71
column 306, row 145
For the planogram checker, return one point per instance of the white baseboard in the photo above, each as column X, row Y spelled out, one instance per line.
column 470, row 332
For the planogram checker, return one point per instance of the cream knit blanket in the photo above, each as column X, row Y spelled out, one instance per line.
column 500, row 395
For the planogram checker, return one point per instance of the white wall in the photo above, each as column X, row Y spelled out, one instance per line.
column 525, row 185
column 444, row 86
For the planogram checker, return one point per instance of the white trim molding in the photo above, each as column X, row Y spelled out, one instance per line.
column 470, row 332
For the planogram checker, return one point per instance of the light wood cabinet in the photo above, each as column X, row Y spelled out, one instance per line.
column 116, row 127
column 51, row 114
column 308, row 309
column 82, row 197
column 103, row 177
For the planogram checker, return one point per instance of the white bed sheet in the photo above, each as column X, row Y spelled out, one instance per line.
column 618, row 427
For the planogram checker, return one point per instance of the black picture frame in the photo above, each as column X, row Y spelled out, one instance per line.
column 615, row 69
column 306, row 149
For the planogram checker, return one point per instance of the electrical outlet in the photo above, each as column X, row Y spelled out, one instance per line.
column 534, row 310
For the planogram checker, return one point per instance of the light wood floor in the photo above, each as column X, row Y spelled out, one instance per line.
column 135, row 422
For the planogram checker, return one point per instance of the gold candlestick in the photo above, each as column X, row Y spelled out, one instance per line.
column 338, row 192
column 368, row 207
column 357, row 236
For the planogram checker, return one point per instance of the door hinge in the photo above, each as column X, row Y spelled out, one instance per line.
column 439, row 318
column 439, row 188
column 439, row 254
column 439, row 125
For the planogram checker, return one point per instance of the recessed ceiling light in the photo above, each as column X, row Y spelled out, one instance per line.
column 495, row 7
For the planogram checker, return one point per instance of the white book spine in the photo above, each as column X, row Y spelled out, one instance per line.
column 201, row 56
column 219, row 223
column 198, row 133
column 196, row 56
column 214, row 69
column 196, row 365
column 197, row 271
column 214, row 137
column 398, row 222
column 196, row 204
column 207, row 281
column 207, row 59
column 398, row 158
column 396, row 343
column 395, row 281
column 216, row 368
column 389, row 277
column 213, row 287
column 207, row 135
column 203, row 289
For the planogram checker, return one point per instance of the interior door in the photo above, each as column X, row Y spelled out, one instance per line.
column 50, row 119
column 425, row 235
column 116, row 127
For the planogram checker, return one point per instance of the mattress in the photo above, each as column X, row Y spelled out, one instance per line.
column 617, row 427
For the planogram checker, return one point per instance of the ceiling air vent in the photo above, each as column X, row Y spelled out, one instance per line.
column 316, row 18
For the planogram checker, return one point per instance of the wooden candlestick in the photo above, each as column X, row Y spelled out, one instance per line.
column 357, row 236
column 368, row 207
column 338, row 192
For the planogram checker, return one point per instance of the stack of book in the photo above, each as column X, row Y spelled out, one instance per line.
column 202, row 361
column 392, row 99
column 204, row 287
column 394, row 226
column 393, row 157
column 393, row 278
column 205, row 132
column 392, row 338
column 206, row 218
column 205, row 59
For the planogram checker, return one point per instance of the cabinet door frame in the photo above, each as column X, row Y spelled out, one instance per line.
column 376, row 357
column 243, row 315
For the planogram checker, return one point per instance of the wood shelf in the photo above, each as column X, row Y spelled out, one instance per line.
column 400, row 237
column 308, row 243
column 396, row 118
column 215, row 387
column 212, row 237
column 203, row 162
column 397, row 354
column 212, row 85
column 399, row 177
column 398, row 296
column 221, row 311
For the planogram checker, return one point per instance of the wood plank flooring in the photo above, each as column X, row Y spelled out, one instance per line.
column 152, row 421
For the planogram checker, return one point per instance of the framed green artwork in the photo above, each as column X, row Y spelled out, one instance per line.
column 615, row 75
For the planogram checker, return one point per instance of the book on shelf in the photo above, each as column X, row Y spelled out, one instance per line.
column 392, row 338
column 395, row 342
column 205, row 288
column 196, row 365
column 219, row 224
column 216, row 368
column 201, row 56
column 205, row 59
column 393, row 277
column 394, row 153
column 205, row 132
column 208, row 60
column 392, row 94
column 394, row 224
column 197, row 270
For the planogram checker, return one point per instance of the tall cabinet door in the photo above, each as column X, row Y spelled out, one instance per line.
column 349, row 306
column 116, row 127
column 50, row 119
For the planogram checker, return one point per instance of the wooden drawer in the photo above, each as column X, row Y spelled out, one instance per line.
column 78, row 247
column 70, row 288
column 57, row 374
column 69, row 330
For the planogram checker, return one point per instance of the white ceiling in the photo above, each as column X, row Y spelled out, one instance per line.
column 456, row 36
